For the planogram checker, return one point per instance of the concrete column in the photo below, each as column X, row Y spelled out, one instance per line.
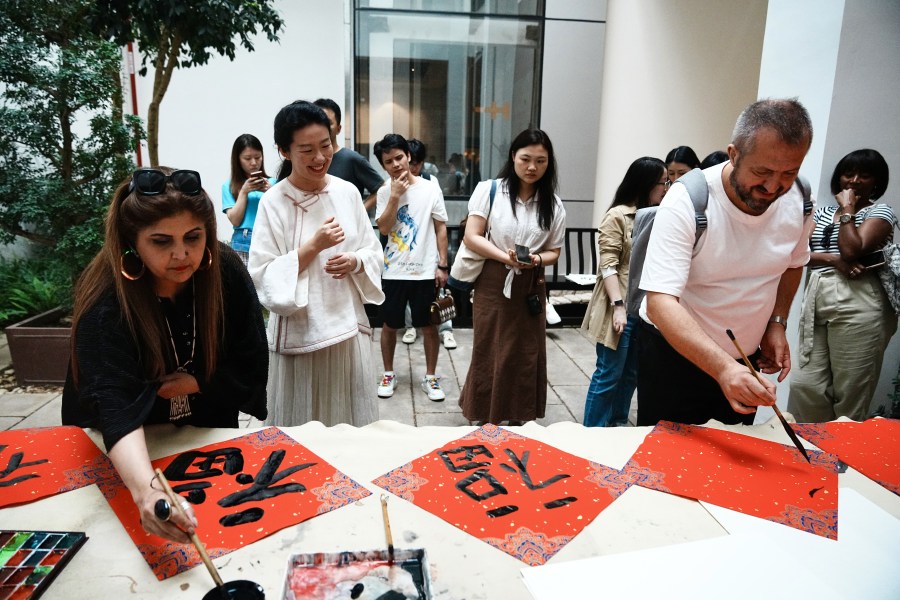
column 674, row 73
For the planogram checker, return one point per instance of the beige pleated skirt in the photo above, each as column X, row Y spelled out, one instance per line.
column 333, row 385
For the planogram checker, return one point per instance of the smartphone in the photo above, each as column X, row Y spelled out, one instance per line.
column 873, row 260
column 256, row 174
column 523, row 254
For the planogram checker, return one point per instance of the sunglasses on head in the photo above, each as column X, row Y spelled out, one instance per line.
column 152, row 182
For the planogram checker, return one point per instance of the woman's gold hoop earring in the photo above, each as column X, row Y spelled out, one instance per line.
column 124, row 271
column 208, row 261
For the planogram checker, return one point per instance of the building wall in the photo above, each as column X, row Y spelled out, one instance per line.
column 674, row 73
column 207, row 107
column 570, row 104
column 841, row 64
column 865, row 113
column 215, row 103
column 800, row 62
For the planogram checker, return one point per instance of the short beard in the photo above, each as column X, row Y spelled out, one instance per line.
column 757, row 207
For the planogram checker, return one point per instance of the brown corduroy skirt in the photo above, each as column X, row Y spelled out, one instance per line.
column 507, row 377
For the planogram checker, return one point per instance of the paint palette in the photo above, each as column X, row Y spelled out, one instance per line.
column 358, row 575
column 29, row 560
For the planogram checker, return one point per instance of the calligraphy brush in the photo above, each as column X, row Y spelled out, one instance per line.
column 387, row 530
column 784, row 423
column 175, row 501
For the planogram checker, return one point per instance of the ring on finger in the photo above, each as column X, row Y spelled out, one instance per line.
column 162, row 510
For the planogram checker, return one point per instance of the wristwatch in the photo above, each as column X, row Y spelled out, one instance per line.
column 780, row 320
column 443, row 267
column 618, row 303
column 846, row 218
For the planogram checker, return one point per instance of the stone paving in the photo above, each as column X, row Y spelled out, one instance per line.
column 570, row 362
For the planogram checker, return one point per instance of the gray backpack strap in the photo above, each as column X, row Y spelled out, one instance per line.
column 695, row 182
column 640, row 235
column 803, row 184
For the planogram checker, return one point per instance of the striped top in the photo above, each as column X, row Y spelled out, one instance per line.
column 825, row 234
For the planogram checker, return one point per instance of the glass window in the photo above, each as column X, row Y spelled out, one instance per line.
column 464, row 84
column 498, row 7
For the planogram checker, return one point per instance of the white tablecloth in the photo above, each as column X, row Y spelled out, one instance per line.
column 110, row 566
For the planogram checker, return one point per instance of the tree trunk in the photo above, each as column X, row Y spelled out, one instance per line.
column 165, row 64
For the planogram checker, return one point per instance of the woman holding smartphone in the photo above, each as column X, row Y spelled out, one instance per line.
column 241, row 194
column 847, row 319
column 507, row 378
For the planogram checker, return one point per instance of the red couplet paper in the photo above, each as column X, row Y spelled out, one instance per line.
column 242, row 490
column 519, row 495
column 36, row 463
column 871, row 447
column 759, row 478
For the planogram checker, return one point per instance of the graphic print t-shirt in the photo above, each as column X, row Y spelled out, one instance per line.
column 411, row 248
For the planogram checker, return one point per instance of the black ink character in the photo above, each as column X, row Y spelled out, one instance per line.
column 15, row 463
column 262, row 488
column 467, row 453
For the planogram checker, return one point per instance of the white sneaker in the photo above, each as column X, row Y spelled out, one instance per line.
column 409, row 336
column 449, row 340
column 386, row 387
column 432, row 386
column 552, row 316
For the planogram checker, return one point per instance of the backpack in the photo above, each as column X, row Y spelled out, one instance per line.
column 697, row 189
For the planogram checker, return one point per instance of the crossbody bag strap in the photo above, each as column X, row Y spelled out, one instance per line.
column 487, row 221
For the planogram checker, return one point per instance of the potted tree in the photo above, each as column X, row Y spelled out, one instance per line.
column 64, row 145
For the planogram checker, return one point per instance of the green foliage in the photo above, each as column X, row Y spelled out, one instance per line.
column 174, row 34
column 195, row 29
column 64, row 145
column 29, row 287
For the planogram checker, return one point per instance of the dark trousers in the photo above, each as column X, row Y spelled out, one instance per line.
column 672, row 388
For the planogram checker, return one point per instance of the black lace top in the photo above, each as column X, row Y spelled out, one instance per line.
column 113, row 395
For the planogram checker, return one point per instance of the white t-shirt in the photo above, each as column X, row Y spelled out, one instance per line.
column 411, row 251
column 730, row 280
column 506, row 229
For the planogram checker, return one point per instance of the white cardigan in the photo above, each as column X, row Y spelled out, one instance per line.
column 312, row 310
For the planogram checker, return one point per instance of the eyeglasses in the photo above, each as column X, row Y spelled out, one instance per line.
column 667, row 184
column 826, row 235
column 152, row 182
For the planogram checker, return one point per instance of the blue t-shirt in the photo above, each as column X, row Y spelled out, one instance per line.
column 253, row 198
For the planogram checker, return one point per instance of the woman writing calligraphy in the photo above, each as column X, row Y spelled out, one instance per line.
column 167, row 329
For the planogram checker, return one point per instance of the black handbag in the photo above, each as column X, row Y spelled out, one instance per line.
column 533, row 299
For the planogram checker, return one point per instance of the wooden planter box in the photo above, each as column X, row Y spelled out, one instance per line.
column 40, row 349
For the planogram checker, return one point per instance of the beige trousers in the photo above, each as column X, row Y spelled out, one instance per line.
column 842, row 349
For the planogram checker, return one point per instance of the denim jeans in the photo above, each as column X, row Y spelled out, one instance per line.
column 240, row 240
column 612, row 385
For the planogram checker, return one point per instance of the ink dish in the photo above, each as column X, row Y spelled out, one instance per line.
column 240, row 589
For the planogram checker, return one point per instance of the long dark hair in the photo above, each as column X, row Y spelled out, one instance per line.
column 238, row 177
column 684, row 155
column 640, row 179
column 289, row 119
column 546, row 186
column 128, row 214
